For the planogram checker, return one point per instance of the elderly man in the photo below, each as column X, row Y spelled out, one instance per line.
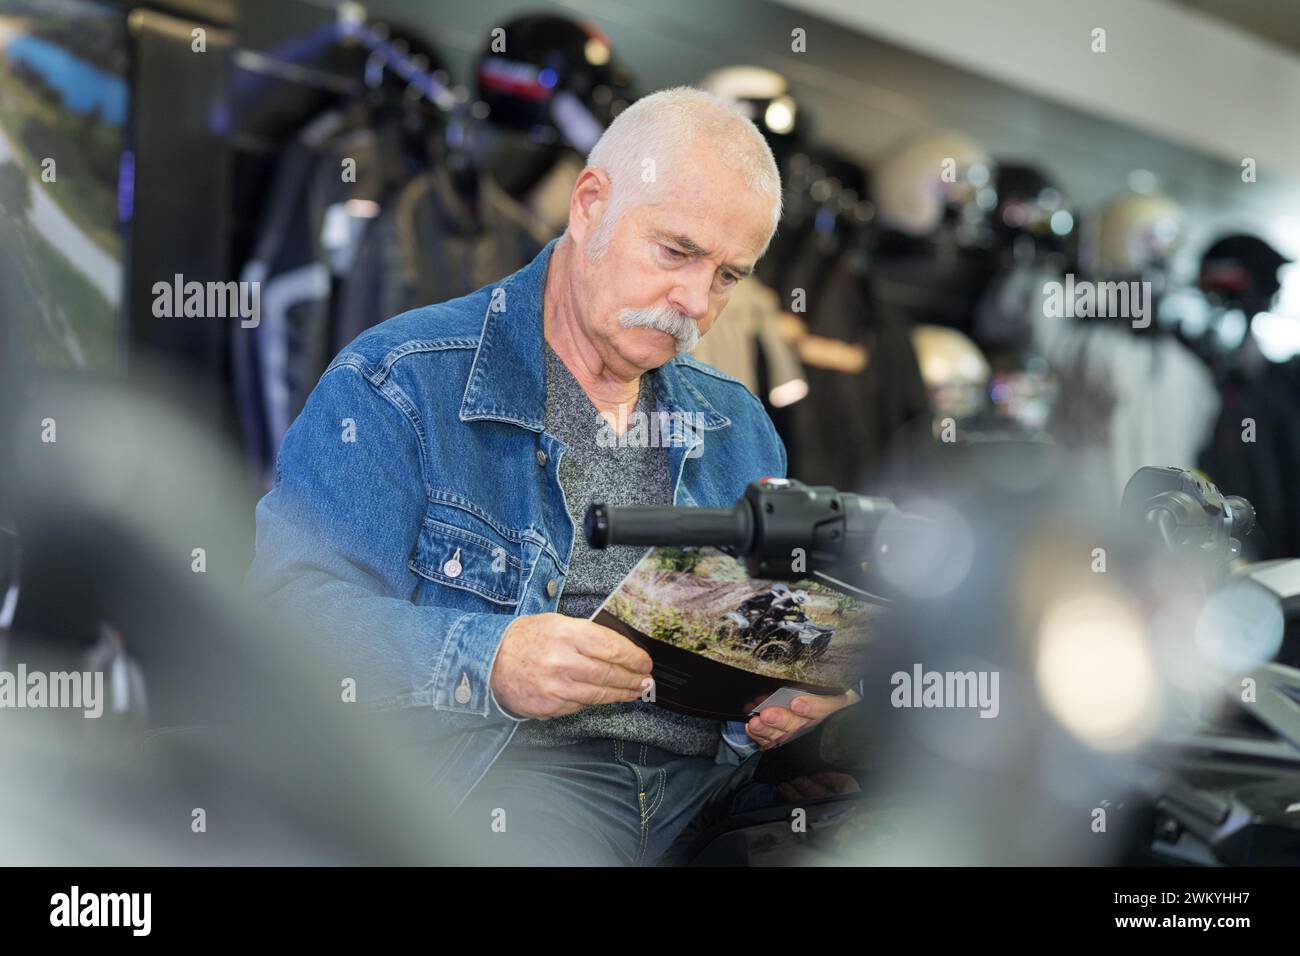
column 429, row 499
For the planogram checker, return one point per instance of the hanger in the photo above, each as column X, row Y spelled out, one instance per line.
column 425, row 99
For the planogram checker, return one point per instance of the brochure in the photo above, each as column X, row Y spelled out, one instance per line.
column 726, row 645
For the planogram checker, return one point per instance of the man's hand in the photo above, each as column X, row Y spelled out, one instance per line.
column 773, row 726
column 829, row 783
column 550, row 665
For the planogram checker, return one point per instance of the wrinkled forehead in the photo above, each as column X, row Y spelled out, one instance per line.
column 736, row 230
column 710, row 201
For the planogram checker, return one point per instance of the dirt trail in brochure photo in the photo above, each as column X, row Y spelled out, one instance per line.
column 688, row 608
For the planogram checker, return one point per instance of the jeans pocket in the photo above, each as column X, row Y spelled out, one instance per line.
column 651, row 784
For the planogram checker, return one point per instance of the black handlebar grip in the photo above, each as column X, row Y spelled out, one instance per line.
column 652, row 526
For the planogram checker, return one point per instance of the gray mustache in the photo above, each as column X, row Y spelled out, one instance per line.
column 664, row 319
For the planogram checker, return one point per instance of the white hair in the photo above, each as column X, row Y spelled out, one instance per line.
column 660, row 127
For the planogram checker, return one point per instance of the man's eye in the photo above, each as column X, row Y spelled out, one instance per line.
column 673, row 253
column 728, row 278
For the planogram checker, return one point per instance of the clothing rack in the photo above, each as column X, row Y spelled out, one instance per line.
column 288, row 61
column 386, row 54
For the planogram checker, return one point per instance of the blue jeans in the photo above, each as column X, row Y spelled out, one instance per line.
column 603, row 802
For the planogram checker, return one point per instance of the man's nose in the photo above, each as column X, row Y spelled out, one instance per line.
column 691, row 295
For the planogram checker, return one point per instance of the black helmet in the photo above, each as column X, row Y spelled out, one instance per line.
column 1241, row 270
column 1030, row 204
column 553, row 78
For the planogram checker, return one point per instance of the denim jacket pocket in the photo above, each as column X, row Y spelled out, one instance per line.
column 457, row 549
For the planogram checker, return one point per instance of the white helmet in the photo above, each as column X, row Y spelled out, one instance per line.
column 955, row 371
column 1132, row 233
column 916, row 184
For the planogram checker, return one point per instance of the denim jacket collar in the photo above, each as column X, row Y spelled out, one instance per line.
column 507, row 380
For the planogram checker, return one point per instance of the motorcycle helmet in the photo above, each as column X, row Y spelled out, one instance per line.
column 553, row 78
column 1241, row 271
column 1134, row 234
column 1030, row 209
column 955, row 371
column 943, row 176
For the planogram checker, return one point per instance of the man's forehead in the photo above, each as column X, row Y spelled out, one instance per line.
column 704, row 193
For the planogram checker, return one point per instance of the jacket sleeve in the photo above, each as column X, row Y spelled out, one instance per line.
column 769, row 440
column 784, row 466
column 333, row 539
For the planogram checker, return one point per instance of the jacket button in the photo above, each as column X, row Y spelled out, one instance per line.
column 551, row 588
column 541, row 458
column 452, row 567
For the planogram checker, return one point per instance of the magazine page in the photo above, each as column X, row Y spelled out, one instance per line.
column 724, row 643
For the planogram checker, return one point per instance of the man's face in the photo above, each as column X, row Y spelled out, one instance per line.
column 673, row 263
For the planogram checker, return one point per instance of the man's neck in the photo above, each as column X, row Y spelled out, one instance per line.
column 564, row 331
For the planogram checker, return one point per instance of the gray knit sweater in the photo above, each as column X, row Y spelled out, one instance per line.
column 616, row 476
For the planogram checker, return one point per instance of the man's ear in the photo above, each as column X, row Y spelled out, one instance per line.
column 587, row 203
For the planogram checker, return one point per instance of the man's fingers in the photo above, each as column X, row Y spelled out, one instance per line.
column 756, row 729
column 589, row 670
column 588, row 694
column 774, row 724
column 571, row 696
column 783, row 720
column 787, row 794
column 828, row 783
column 837, row 782
column 762, row 732
column 601, row 643
column 816, row 707
column 806, row 788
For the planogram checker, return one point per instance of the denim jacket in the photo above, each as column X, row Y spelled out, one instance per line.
column 417, row 508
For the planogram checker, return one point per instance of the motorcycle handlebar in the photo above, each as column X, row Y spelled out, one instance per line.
column 780, row 527
column 651, row 526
